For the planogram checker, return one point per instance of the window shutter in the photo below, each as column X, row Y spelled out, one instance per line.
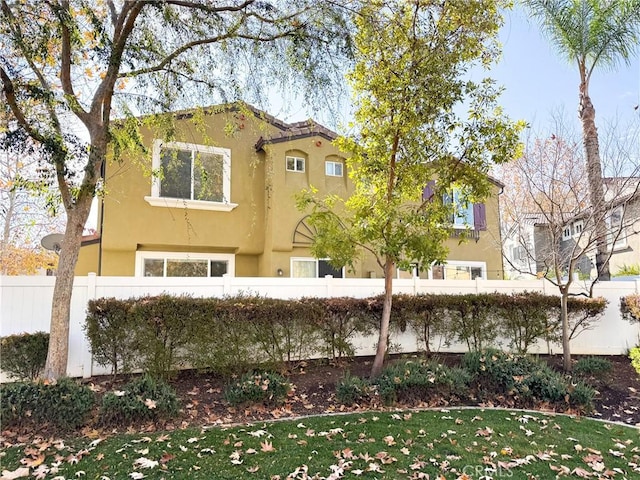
column 479, row 216
column 427, row 192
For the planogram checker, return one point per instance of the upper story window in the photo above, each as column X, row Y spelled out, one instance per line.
column 462, row 216
column 617, row 238
column 333, row 169
column 566, row 232
column 295, row 164
column 195, row 176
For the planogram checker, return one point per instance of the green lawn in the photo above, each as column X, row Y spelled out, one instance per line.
column 483, row 444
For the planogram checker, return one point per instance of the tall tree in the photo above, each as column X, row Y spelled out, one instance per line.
column 411, row 84
column 591, row 34
column 65, row 63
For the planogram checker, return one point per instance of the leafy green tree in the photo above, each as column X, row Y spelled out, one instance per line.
column 72, row 65
column 591, row 34
column 411, row 84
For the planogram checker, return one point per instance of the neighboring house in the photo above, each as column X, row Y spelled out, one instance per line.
column 527, row 244
column 224, row 204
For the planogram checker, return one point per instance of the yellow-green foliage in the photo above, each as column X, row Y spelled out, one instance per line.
column 634, row 355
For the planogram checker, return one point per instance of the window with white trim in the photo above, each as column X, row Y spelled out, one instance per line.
column 578, row 226
column 295, row 164
column 459, row 270
column 333, row 169
column 195, row 176
column 307, row 267
column 616, row 229
column 180, row 264
column 566, row 233
column 462, row 216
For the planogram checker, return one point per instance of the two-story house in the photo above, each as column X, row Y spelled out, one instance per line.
column 529, row 246
column 219, row 199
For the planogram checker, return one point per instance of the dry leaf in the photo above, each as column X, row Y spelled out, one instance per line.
column 267, row 446
column 18, row 473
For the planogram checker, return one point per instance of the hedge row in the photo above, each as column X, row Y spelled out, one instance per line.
column 163, row 333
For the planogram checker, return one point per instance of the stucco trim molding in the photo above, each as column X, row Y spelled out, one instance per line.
column 190, row 204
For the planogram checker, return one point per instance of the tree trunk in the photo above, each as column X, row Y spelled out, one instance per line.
column 564, row 320
column 594, row 174
column 376, row 368
column 56, row 364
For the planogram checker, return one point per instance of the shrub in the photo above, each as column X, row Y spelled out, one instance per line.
column 521, row 376
column 162, row 332
column 592, row 366
column 418, row 381
column 634, row 355
column 426, row 315
column 339, row 320
column 630, row 307
column 109, row 327
column 24, row 355
column 524, row 318
column 265, row 388
column 65, row 404
column 142, row 399
column 351, row 389
column 473, row 319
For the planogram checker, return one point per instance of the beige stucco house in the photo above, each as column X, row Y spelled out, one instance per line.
column 224, row 204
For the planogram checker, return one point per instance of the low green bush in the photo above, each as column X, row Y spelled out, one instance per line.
column 592, row 366
column 521, row 376
column 634, row 355
column 142, row 399
column 24, row 355
column 351, row 389
column 65, row 404
column 263, row 388
column 419, row 381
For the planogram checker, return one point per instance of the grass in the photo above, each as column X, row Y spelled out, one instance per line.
column 481, row 444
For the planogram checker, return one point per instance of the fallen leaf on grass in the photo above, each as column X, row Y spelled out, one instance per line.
column 267, row 446
column 18, row 473
column 144, row 462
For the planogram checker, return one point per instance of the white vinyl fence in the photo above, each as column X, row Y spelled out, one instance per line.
column 25, row 304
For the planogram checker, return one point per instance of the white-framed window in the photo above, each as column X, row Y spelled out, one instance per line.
column 295, row 164
column 333, row 169
column 459, row 270
column 616, row 229
column 414, row 271
column 192, row 176
column 462, row 216
column 183, row 264
column 309, row 267
column 566, row 233
column 578, row 227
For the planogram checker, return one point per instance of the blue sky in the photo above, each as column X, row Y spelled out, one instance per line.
column 538, row 81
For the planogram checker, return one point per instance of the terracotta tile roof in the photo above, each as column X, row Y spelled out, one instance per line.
column 298, row 130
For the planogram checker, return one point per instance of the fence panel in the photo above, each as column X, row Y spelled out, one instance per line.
column 25, row 305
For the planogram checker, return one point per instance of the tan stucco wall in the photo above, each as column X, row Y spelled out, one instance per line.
column 131, row 224
column 259, row 232
column 88, row 259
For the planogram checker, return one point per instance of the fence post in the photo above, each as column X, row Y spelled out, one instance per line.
column 478, row 280
column 329, row 281
column 87, row 357
column 226, row 284
column 416, row 284
column 637, row 286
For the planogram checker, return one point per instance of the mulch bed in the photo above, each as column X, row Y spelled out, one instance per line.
column 202, row 402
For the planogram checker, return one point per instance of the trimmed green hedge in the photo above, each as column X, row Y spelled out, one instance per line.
column 233, row 335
